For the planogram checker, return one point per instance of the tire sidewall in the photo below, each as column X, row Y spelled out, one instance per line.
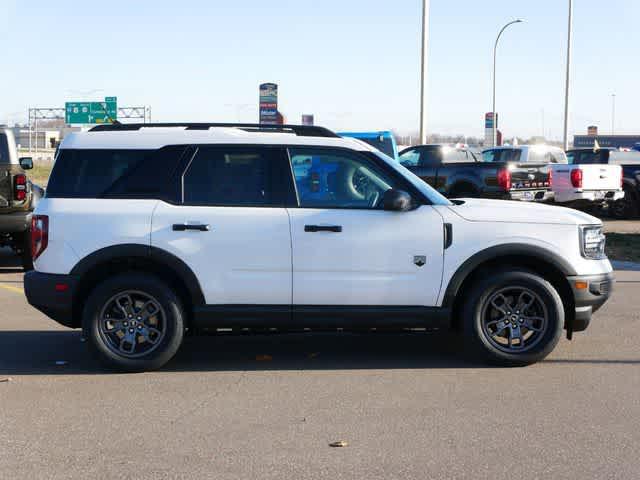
column 473, row 312
column 151, row 285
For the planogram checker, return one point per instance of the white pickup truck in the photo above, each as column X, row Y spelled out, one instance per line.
column 582, row 185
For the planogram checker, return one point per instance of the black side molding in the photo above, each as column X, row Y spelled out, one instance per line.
column 448, row 235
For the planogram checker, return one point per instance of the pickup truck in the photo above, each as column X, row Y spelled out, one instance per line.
column 18, row 197
column 628, row 205
column 506, row 173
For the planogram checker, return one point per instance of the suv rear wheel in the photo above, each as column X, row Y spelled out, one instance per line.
column 513, row 318
column 134, row 322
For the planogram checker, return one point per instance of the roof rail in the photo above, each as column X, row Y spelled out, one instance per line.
column 300, row 130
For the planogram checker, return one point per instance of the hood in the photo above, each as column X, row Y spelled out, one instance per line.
column 482, row 210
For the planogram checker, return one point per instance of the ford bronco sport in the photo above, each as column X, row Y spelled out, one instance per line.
column 148, row 232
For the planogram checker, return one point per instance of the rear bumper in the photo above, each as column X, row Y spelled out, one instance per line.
column 589, row 196
column 44, row 292
column 588, row 300
column 16, row 222
column 541, row 195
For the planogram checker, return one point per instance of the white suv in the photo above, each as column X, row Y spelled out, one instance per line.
column 151, row 231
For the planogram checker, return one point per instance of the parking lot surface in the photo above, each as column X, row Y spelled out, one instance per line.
column 409, row 406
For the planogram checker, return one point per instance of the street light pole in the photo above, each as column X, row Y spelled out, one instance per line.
column 495, row 50
column 613, row 114
column 568, row 78
column 423, row 71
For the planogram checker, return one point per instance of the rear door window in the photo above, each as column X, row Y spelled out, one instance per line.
column 238, row 176
column 88, row 173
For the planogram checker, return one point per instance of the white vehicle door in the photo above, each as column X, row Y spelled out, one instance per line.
column 347, row 250
column 231, row 227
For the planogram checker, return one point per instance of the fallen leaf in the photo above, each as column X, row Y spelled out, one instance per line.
column 5, row 380
column 264, row 358
column 313, row 355
column 341, row 443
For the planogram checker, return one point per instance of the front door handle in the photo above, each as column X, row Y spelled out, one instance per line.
column 183, row 227
column 323, row 228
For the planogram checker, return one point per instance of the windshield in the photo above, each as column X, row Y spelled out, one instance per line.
column 434, row 197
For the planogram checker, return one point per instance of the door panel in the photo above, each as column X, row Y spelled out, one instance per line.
column 243, row 258
column 371, row 261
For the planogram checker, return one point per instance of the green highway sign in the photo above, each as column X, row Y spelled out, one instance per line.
column 91, row 112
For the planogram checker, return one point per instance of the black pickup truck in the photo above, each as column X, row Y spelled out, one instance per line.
column 18, row 197
column 629, row 205
column 506, row 173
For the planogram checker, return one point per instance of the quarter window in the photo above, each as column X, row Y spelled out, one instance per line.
column 327, row 178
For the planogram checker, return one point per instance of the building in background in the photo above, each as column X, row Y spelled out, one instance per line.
column 612, row 141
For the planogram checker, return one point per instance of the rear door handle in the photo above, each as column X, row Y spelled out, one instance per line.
column 323, row 228
column 183, row 227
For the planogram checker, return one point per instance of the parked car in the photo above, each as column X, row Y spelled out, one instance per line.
column 383, row 141
column 148, row 233
column 18, row 197
column 628, row 205
column 502, row 173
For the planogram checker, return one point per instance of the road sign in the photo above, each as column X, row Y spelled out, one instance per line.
column 269, row 103
column 91, row 112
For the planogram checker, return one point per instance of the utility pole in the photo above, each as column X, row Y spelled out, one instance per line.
column 423, row 71
column 613, row 114
column 567, row 85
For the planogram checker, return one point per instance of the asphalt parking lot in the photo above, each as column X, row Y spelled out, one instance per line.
column 409, row 406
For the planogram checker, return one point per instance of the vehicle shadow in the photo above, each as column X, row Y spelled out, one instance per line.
column 36, row 353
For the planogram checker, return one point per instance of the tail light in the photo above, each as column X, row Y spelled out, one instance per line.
column 504, row 179
column 39, row 234
column 20, row 187
column 550, row 177
column 576, row 178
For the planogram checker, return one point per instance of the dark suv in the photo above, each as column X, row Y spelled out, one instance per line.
column 18, row 198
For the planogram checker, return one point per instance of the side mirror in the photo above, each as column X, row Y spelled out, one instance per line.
column 26, row 163
column 396, row 200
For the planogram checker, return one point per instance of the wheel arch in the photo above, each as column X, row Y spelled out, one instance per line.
column 116, row 259
column 546, row 263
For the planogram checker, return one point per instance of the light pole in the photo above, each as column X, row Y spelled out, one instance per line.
column 568, row 78
column 613, row 114
column 423, row 71
column 495, row 50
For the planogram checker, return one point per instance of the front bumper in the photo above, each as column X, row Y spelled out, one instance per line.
column 590, row 292
column 52, row 295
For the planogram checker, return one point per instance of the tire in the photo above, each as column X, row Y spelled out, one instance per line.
column 132, row 338
column 481, row 318
column 627, row 207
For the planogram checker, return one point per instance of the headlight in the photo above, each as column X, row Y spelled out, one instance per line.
column 592, row 241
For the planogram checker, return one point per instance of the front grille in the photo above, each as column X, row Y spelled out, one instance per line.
column 601, row 288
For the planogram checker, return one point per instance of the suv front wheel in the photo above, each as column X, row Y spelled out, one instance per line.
column 134, row 322
column 513, row 318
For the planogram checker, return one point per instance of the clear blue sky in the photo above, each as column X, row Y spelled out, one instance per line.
column 353, row 63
